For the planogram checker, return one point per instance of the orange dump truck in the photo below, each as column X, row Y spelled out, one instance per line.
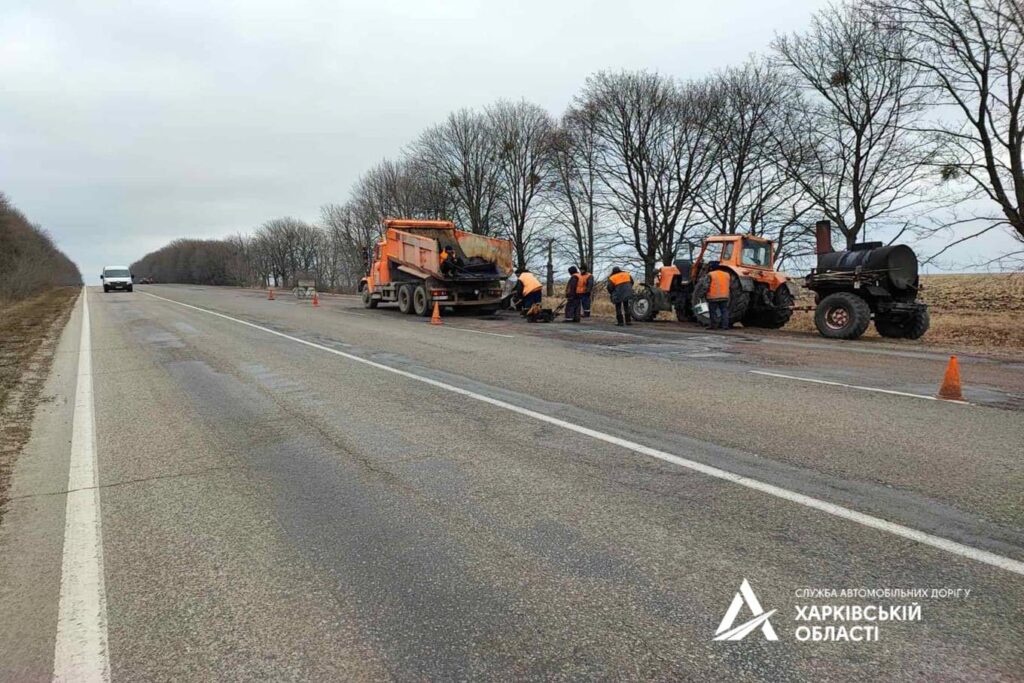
column 417, row 263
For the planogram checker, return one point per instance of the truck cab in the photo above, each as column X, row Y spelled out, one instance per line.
column 116, row 277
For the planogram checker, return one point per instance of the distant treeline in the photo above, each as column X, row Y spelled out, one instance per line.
column 29, row 260
column 197, row 262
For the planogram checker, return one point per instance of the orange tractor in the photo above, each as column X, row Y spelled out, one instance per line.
column 760, row 295
column 419, row 263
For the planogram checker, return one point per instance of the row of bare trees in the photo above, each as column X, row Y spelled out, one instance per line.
column 894, row 120
column 29, row 261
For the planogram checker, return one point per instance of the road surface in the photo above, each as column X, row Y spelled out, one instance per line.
column 294, row 493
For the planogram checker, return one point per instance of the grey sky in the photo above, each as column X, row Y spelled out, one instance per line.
column 124, row 125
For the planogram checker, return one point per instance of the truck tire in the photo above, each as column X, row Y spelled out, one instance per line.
column 129, row 288
column 421, row 301
column 642, row 306
column 911, row 327
column 405, row 299
column 368, row 300
column 842, row 316
column 106, row 290
column 777, row 316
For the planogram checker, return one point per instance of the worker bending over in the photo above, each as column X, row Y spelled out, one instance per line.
column 572, row 297
column 528, row 290
column 450, row 263
column 585, row 288
column 620, row 288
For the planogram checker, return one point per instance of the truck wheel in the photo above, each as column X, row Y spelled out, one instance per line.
column 842, row 316
column 911, row 327
column 368, row 300
column 405, row 299
column 106, row 290
column 641, row 307
column 129, row 288
column 421, row 301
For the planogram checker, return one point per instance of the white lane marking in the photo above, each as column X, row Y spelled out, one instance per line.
column 859, row 388
column 80, row 651
column 870, row 521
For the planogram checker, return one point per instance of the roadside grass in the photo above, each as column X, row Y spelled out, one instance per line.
column 982, row 313
column 29, row 330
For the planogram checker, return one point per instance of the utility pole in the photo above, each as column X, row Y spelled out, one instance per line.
column 551, row 270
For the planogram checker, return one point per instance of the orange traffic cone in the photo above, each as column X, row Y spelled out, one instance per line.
column 436, row 318
column 316, row 300
column 270, row 294
column 950, row 389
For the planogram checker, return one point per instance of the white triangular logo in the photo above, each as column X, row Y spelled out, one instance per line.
column 726, row 631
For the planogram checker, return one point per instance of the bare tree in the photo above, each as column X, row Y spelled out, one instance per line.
column 749, row 189
column 850, row 145
column 462, row 152
column 572, row 199
column 972, row 52
column 652, row 139
column 522, row 133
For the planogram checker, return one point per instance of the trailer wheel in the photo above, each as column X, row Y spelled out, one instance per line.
column 911, row 327
column 405, row 299
column 842, row 316
column 641, row 306
column 368, row 300
column 421, row 301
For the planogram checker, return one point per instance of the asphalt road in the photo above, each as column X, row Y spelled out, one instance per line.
column 296, row 493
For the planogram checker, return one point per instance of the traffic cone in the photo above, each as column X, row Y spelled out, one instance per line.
column 436, row 318
column 270, row 294
column 950, row 389
column 316, row 300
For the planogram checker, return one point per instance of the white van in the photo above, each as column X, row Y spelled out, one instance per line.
column 116, row 277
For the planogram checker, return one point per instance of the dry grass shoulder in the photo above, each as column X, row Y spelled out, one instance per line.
column 981, row 313
column 29, row 330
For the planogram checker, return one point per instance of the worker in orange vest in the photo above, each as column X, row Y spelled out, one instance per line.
column 620, row 289
column 528, row 290
column 584, row 289
column 718, row 290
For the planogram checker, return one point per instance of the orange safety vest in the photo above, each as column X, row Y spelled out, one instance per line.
column 443, row 256
column 719, row 288
column 620, row 278
column 530, row 283
column 581, row 283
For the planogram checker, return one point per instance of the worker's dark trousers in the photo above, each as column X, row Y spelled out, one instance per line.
column 572, row 309
column 531, row 299
column 585, row 304
column 719, row 312
column 622, row 313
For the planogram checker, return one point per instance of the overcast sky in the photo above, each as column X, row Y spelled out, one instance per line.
column 124, row 125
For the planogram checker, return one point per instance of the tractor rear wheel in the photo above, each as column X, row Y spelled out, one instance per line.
column 642, row 306
column 842, row 316
column 778, row 315
column 912, row 327
column 405, row 299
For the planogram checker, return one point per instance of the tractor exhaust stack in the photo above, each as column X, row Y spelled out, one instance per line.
column 823, row 237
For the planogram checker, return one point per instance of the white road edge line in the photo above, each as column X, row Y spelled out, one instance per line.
column 859, row 388
column 80, row 652
column 984, row 556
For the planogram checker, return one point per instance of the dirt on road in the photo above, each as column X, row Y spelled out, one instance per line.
column 29, row 330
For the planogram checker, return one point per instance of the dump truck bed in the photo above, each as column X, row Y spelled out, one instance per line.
column 415, row 246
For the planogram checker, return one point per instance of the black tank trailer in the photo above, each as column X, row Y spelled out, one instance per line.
column 868, row 280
